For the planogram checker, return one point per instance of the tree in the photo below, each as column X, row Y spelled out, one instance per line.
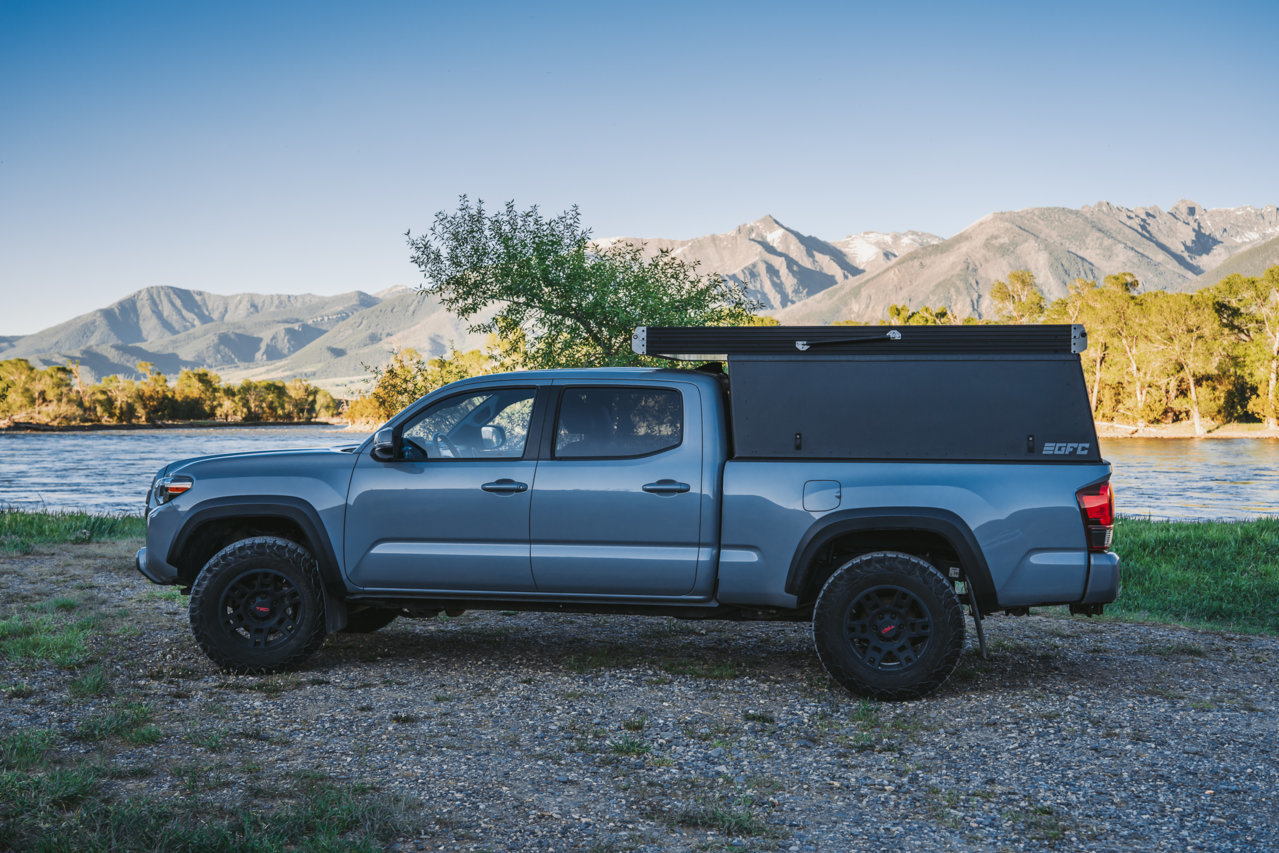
column 904, row 315
column 1185, row 330
column 1249, row 307
column 575, row 302
column 1019, row 300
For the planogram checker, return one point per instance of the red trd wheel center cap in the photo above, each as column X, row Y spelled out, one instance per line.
column 888, row 628
column 262, row 607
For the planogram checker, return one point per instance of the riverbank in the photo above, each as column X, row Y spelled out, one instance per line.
column 1184, row 430
column 557, row 731
column 28, row 426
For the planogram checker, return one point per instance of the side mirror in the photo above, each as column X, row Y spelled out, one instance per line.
column 384, row 445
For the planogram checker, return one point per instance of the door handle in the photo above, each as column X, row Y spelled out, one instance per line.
column 666, row 487
column 505, row 487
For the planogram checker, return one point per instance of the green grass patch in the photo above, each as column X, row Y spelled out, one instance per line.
column 1219, row 575
column 46, row 638
column 130, row 721
column 71, row 810
column 733, row 819
column 629, row 744
column 22, row 530
column 92, row 682
column 25, row 750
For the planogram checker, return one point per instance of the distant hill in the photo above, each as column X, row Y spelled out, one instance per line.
column 1165, row 250
column 778, row 265
column 799, row 278
column 325, row 339
column 1254, row 261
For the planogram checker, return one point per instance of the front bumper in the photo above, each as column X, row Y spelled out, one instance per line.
column 154, row 570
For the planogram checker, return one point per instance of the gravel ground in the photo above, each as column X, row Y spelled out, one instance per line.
column 555, row 732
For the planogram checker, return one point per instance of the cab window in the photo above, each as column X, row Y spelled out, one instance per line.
column 489, row 424
column 616, row 423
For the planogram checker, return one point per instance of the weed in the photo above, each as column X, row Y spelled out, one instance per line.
column 213, row 741
column 45, row 638
column 758, row 717
column 92, row 682
column 21, row 690
column 737, row 819
column 636, row 723
column 443, row 697
column 405, row 718
column 129, row 721
column 25, row 750
column 629, row 744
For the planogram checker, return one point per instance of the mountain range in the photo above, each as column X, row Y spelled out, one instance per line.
column 796, row 277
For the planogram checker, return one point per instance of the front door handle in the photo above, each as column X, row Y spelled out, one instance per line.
column 666, row 487
column 505, row 487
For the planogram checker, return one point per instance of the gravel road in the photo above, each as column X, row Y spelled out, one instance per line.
column 571, row 732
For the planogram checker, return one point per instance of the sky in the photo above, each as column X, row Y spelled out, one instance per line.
column 287, row 147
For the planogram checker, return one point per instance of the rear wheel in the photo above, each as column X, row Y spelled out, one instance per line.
column 888, row 625
column 256, row 606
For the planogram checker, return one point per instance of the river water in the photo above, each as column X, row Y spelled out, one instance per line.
column 109, row 471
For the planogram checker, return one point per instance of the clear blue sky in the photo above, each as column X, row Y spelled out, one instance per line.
column 287, row 147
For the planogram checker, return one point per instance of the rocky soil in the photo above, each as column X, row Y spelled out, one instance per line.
column 552, row 732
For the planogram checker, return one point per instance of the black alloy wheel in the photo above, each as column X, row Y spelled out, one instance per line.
column 256, row 606
column 888, row 625
column 261, row 607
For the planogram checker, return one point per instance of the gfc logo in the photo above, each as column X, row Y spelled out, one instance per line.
column 1062, row 448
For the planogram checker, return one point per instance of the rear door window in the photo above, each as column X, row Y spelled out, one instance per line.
column 617, row 423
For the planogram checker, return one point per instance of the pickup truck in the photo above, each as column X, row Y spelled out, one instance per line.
column 872, row 481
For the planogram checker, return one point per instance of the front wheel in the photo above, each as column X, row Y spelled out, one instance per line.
column 888, row 625
column 256, row 606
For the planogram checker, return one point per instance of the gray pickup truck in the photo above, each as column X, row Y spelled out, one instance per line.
column 871, row 480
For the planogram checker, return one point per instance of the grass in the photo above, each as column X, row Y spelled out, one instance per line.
column 45, row 638
column 21, row 530
column 60, row 809
column 1219, row 575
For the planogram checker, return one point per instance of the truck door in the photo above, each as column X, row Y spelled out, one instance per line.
column 616, row 506
column 451, row 512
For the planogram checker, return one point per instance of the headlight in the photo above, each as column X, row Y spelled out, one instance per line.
column 168, row 488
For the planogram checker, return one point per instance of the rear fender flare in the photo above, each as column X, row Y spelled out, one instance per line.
column 941, row 522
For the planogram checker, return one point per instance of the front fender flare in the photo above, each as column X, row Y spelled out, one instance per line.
column 296, row 510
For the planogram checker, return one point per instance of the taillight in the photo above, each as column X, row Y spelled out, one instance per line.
column 1097, row 506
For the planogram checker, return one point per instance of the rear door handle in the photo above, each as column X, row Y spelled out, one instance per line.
column 505, row 487
column 666, row 487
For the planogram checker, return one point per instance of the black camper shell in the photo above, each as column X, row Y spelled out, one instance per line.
column 907, row 393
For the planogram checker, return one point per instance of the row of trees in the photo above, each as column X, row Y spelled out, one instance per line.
column 57, row 395
column 553, row 298
column 1154, row 356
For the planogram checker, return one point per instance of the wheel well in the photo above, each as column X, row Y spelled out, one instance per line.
column 925, row 544
column 212, row 536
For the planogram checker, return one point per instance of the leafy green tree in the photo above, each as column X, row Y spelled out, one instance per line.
column 1249, row 308
column 904, row 315
column 1185, row 330
column 575, row 303
column 1019, row 300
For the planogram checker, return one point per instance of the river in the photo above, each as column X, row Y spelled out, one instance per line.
column 109, row 471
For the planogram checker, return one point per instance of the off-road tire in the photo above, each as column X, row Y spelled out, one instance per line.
column 888, row 625
column 256, row 606
column 369, row 619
